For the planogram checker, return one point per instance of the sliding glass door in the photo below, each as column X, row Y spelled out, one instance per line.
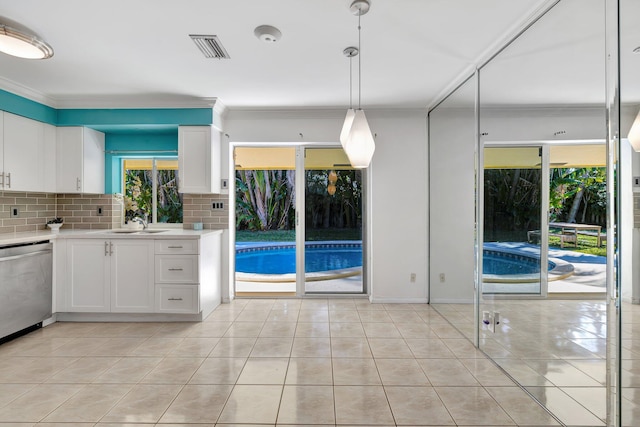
column 515, row 231
column 332, row 223
column 299, row 221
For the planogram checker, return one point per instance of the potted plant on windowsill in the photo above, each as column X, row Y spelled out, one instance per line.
column 131, row 212
column 55, row 224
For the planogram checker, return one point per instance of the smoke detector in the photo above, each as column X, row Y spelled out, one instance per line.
column 267, row 33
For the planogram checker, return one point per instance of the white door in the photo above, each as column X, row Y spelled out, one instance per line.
column 88, row 276
column 132, row 275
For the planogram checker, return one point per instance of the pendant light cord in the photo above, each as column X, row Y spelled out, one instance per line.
column 359, row 65
column 351, row 82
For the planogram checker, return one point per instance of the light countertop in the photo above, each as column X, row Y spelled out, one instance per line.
column 35, row 236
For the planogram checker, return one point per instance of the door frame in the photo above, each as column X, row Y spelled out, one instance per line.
column 300, row 218
column 544, row 216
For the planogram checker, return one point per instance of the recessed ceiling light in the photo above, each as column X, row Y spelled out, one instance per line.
column 267, row 33
column 23, row 44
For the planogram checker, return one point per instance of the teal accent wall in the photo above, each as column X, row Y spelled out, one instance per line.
column 141, row 132
column 25, row 107
column 132, row 146
column 151, row 116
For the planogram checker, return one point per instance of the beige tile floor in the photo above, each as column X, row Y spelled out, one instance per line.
column 258, row 361
column 556, row 349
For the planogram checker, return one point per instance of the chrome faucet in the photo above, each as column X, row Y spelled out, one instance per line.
column 143, row 221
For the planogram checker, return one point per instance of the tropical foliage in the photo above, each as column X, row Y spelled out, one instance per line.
column 139, row 195
column 513, row 199
column 265, row 200
column 340, row 210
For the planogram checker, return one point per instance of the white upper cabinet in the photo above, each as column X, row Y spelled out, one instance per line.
column 80, row 160
column 198, row 159
column 27, row 158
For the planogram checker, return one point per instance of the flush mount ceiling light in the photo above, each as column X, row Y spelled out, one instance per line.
column 356, row 137
column 267, row 33
column 23, row 44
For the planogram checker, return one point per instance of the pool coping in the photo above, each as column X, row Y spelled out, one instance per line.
column 562, row 269
column 291, row 277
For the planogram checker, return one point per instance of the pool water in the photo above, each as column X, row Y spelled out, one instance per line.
column 503, row 263
column 282, row 260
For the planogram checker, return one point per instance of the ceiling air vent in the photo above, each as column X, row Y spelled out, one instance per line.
column 210, row 46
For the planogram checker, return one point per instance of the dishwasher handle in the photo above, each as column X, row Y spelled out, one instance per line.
column 30, row 254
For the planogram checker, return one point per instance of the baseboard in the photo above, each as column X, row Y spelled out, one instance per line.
column 451, row 301
column 127, row 317
column 375, row 300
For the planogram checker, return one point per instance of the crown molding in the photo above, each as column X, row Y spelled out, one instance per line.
column 26, row 92
column 132, row 101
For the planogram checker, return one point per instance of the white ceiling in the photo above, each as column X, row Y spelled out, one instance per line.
column 138, row 53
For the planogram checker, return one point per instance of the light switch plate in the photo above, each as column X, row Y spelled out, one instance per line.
column 15, row 212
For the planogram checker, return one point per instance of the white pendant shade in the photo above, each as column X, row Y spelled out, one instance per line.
column 360, row 145
column 634, row 134
column 346, row 127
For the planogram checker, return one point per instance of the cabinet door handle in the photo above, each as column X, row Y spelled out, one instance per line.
column 175, row 299
column 106, row 248
column 111, row 248
column 175, row 269
column 9, row 180
column 78, row 184
column 174, row 247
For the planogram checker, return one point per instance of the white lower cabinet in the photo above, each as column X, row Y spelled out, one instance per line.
column 177, row 299
column 88, row 276
column 110, row 275
column 132, row 281
column 177, row 276
column 139, row 275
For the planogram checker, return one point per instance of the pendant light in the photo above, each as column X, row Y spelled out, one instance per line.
column 634, row 134
column 23, row 44
column 359, row 144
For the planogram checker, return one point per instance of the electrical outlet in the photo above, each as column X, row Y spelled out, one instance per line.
column 441, row 277
column 636, row 181
column 100, row 211
column 412, row 278
column 225, row 184
column 217, row 206
column 15, row 212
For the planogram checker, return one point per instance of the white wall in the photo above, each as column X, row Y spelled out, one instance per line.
column 452, row 143
column 398, row 187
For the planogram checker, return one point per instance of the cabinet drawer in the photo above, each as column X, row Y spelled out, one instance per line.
column 177, row 246
column 176, row 269
column 177, row 299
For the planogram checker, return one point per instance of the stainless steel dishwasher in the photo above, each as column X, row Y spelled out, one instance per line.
column 25, row 286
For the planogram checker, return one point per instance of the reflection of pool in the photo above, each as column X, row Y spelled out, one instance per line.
column 502, row 263
column 517, row 265
column 281, row 259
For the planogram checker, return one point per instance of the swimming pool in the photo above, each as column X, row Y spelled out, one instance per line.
column 519, row 265
column 281, row 259
column 265, row 262
column 505, row 263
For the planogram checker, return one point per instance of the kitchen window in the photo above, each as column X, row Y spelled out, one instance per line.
column 151, row 190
